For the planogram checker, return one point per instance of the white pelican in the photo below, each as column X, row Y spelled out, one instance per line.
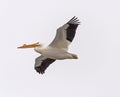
column 58, row 48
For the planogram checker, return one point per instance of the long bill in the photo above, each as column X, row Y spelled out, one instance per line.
column 29, row 45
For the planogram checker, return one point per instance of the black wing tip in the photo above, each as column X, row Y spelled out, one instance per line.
column 39, row 70
column 74, row 21
column 43, row 65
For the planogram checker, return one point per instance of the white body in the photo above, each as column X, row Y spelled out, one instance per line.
column 54, row 53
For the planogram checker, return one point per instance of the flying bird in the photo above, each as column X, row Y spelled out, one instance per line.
column 58, row 48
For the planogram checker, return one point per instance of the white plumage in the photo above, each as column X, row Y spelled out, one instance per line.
column 58, row 48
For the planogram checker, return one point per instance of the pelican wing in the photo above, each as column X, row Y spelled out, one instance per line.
column 65, row 34
column 41, row 63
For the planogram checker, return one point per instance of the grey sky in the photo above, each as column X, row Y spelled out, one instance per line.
column 95, row 74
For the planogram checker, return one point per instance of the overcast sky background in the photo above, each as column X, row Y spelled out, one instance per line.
column 97, row 42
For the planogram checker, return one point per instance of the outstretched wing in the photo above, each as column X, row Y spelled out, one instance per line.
column 65, row 34
column 41, row 63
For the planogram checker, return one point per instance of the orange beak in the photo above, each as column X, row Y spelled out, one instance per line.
column 29, row 45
